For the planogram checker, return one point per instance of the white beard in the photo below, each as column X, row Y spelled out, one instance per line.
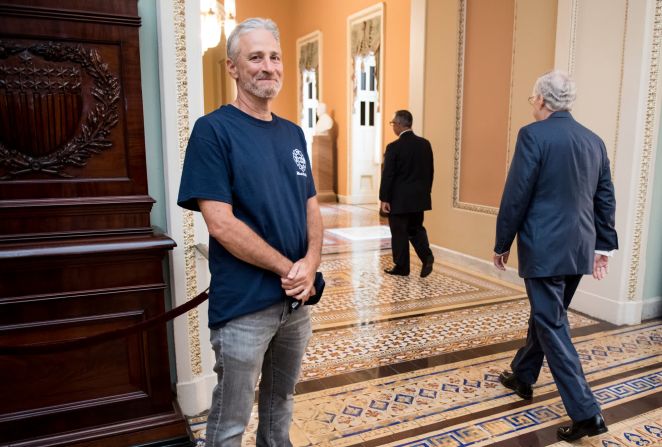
column 252, row 87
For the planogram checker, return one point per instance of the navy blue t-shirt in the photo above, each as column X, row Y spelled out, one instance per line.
column 262, row 169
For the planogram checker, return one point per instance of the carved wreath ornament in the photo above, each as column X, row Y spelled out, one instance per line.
column 26, row 79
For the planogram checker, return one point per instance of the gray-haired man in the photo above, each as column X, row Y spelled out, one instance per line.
column 559, row 201
column 247, row 171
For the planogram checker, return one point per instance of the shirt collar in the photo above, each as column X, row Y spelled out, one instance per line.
column 560, row 114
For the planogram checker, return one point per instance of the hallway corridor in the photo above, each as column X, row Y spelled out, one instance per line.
column 407, row 361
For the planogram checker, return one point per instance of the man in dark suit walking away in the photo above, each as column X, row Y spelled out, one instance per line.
column 559, row 200
column 404, row 194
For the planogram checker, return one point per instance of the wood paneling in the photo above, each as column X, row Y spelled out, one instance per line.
column 325, row 161
column 78, row 255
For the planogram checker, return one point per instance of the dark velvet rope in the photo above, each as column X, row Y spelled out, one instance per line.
column 66, row 345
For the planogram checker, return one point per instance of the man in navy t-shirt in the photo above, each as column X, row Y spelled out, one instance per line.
column 248, row 172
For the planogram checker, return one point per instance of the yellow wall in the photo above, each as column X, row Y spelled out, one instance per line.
column 281, row 12
column 532, row 54
column 215, row 78
column 296, row 18
column 464, row 230
column 330, row 17
column 217, row 88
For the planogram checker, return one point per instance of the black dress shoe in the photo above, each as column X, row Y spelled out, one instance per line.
column 396, row 271
column 427, row 267
column 588, row 427
column 510, row 380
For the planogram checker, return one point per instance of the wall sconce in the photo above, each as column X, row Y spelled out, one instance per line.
column 211, row 24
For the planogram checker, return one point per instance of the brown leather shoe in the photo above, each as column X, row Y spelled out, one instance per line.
column 510, row 380
column 592, row 426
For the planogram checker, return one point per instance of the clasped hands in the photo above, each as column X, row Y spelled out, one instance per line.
column 299, row 281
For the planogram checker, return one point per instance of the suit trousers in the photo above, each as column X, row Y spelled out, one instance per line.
column 408, row 227
column 549, row 336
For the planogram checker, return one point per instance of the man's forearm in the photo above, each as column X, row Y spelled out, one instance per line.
column 245, row 244
column 315, row 232
column 240, row 240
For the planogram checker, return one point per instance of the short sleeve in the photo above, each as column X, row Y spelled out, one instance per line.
column 207, row 173
column 310, row 186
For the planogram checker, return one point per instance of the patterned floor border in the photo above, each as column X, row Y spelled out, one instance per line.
column 643, row 430
column 492, row 429
column 382, row 407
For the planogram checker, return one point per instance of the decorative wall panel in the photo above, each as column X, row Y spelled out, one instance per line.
column 485, row 58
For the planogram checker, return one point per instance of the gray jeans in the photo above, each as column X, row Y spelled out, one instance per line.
column 271, row 341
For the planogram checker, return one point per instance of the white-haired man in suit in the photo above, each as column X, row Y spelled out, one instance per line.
column 559, row 201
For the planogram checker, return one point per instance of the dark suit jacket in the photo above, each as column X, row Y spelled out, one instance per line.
column 407, row 175
column 558, row 199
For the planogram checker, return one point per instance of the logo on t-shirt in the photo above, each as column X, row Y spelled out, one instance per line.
column 300, row 161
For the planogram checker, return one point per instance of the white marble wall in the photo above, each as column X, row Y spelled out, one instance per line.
column 611, row 48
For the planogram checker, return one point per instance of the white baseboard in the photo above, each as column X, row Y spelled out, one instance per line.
column 607, row 309
column 358, row 199
column 479, row 265
column 194, row 396
column 603, row 308
column 652, row 308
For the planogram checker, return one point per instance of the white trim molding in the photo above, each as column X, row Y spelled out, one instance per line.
column 417, row 39
column 627, row 39
column 180, row 73
column 315, row 36
column 376, row 10
column 482, row 266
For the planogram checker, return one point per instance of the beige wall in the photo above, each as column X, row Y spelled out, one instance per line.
column 488, row 55
column 467, row 230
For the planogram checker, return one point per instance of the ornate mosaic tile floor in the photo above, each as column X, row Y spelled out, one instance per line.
column 384, row 406
column 358, row 291
column 405, row 361
column 486, row 431
column 339, row 215
column 354, row 348
column 644, row 430
column 380, row 408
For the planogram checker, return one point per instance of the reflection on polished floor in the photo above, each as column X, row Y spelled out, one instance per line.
column 405, row 361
